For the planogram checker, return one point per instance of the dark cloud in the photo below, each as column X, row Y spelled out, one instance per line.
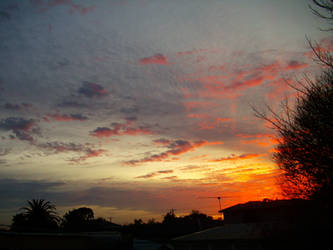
column 17, row 107
column 121, row 129
column 162, row 141
column 131, row 118
column 11, row 106
column 91, row 90
column 22, row 128
column 175, row 148
column 72, row 104
column 104, row 132
column 86, row 150
column 16, row 192
column 60, row 147
column 132, row 110
column 153, row 174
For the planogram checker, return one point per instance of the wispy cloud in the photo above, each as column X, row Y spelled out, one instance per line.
column 85, row 151
column 89, row 153
column 155, row 59
column 175, row 148
column 65, row 117
column 120, row 129
column 153, row 174
column 236, row 157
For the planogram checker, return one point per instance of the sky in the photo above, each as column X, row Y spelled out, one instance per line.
column 136, row 107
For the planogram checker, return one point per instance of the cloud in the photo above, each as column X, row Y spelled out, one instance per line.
column 87, row 149
column 120, row 129
column 16, row 192
column 43, row 5
column 72, row 104
column 61, row 147
column 104, row 132
column 259, row 139
column 295, row 65
column 162, row 141
column 236, row 157
column 230, row 81
column 208, row 125
column 258, row 135
column 155, row 59
column 65, row 117
column 177, row 147
column 153, row 174
column 92, row 90
column 89, row 153
column 81, row 9
column 14, row 107
column 4, row 152
column 22, row 128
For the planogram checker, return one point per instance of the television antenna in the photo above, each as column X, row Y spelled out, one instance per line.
column 219, row 198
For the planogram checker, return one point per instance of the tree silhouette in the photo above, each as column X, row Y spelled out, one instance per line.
column 80, row 219
column 323, row 9
column 38, row 215
column 305, row 132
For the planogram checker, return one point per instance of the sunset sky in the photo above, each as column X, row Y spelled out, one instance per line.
column 135, row 107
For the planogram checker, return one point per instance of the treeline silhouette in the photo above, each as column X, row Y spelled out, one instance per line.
column 40, row 215
column 171, row 225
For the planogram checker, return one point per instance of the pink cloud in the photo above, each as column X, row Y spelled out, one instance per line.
column 177, row 147
column 155, row 59
column 208, row 125
column 197, row 116
column 192, row 105
column 120, row 129
column 91, row 153
column 233, row 83
column 295, row 65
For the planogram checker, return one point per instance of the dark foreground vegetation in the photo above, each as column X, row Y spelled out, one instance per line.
column 40, row 216
column 171, row 226
column 268, row 224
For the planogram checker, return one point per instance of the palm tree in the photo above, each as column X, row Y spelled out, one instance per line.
column 37, row 215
